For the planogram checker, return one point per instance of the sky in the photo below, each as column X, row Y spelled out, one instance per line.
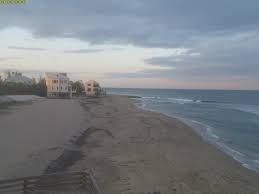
column 178, row 44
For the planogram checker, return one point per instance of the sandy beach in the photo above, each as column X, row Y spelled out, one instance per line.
column 34, row 134
column 129, row 150
column 134, row 151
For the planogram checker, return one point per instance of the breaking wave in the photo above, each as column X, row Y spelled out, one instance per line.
column 208, row 134
column 247, row 108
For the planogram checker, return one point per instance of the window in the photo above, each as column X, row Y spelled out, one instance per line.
column 89, row 89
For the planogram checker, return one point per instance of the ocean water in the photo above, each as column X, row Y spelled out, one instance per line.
column 227, row 119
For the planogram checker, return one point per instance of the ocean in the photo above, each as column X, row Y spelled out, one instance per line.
column 227, row 119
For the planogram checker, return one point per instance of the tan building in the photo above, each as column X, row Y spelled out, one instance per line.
column 92, row 87
column 58, row 85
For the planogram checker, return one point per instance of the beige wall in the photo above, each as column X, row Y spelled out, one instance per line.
column 91, row 86
column 57, row 83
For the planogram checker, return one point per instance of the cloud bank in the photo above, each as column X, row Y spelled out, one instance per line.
column 83, row 51
column 221, row 37
column 26, row 48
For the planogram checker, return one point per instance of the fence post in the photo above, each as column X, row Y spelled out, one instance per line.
column 25, row 187
column 83, row 181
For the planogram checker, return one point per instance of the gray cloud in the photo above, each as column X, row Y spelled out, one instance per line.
column 207, row 73
column 149, row 23
column 3, row 59
column 137, row 74
column 26, row 48
column 9, row 58
column 235, row 55
column 224, row 32
column 83, row 51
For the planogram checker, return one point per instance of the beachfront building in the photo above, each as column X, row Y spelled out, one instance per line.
column 15, row 77
column 92, row 88
column 58, row 85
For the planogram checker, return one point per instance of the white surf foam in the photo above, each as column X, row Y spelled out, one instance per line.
column 208, row 134
column 247, row 108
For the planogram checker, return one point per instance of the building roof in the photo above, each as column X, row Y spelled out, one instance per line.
column 56, row 75
column 19, row 79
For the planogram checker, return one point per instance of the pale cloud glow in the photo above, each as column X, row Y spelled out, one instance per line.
column 81, row 60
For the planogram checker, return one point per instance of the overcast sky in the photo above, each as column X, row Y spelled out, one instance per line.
column 136, row 43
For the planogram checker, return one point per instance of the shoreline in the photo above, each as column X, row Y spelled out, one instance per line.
column 149, row 152
column 210, row 138
column 206, row 134
column 204, row 138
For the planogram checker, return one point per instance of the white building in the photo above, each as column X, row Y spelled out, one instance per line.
column 15, row 77
column 92, row 87
column 58, row 85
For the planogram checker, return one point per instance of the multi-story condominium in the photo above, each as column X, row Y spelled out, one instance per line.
column 92, row 87
column 58, row 85
column 15, row 77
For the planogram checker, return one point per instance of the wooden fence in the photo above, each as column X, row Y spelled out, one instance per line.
column 76, row 182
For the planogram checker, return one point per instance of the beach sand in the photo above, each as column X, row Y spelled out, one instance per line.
column 33, row 134
column 131, row 150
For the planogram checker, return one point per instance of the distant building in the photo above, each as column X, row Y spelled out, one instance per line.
column 92, row 87
column 58, row 85
column 15, row 77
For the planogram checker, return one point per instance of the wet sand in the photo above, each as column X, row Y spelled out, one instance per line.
column 131, row 150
